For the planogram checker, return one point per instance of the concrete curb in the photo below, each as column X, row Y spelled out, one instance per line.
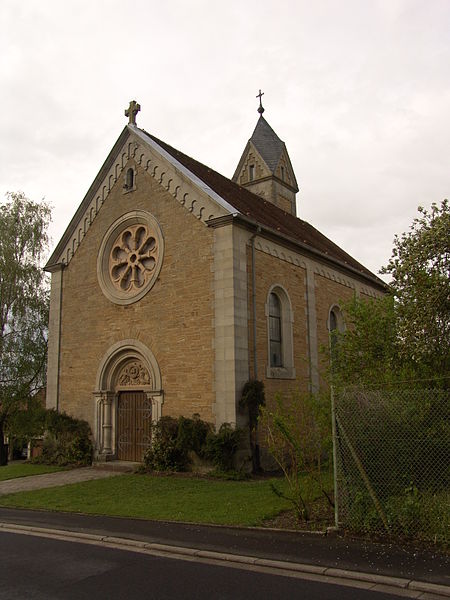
column 401, row 586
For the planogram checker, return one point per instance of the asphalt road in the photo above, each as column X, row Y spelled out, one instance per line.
column 36, row 568
column 342, row 553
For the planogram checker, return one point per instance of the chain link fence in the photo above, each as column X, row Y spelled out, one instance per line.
column 392, row 462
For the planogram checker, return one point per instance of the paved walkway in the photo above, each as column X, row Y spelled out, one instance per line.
column 37, row 482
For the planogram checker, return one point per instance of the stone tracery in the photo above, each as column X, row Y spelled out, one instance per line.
column 130, row 257
column 133, row 258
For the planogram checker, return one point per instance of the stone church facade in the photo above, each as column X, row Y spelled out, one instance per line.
column 173, row 285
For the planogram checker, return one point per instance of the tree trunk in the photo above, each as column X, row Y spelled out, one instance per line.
column 3, row 449
column 254, row 448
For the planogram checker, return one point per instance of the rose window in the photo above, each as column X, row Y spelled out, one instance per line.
column 130, row 257
column 133, row 258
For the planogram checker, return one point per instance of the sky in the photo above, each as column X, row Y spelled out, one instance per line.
column 359, row 90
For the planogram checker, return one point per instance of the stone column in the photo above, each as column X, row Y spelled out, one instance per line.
column 157, row 401
column 312, row 327
column 107, row 423
column 104, row 425
column 230, row 320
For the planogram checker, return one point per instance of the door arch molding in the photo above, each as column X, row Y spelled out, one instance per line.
column 126, row 365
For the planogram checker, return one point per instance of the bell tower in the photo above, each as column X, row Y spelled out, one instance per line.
column 265, row 167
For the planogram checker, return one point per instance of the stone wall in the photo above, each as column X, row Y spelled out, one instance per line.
column 328, row 293
column 174, row 319
column 310, row 334
column 270, row 270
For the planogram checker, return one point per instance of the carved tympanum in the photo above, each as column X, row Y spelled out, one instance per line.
column 133, row 258
column 133, row 374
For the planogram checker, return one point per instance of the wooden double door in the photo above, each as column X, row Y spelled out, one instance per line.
column 134, row 422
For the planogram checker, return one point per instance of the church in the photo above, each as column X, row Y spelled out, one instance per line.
column 174, row 285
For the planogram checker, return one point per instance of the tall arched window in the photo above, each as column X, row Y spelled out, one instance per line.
column 275, row 334
column 280, row 347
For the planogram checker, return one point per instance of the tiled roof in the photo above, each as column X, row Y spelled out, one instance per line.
column 265, row 213
column 267, row 143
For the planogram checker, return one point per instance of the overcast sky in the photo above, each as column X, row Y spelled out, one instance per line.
column 358, row 89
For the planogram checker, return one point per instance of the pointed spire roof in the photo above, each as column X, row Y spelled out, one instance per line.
column 267, row 143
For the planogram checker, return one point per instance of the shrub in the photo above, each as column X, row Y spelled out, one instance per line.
column 174, row 439
column 411, row 514
column 192, row 434
column 67, row 441
column 253, row 399
column 165, row 453
column 299, row 438
column 221, row 447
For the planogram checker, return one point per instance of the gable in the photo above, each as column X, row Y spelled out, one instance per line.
column 251, row 157
column 284, row 170
column 133, row 144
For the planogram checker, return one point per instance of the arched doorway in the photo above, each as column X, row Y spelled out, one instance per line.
column 128, row 400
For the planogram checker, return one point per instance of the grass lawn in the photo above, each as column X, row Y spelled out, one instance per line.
column 12, row 471
column 161, row 498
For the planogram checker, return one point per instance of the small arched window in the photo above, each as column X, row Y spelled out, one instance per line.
column 333, row 321
column 130, row 179
column 129, row 183
column 336, row 325
column 275, row 333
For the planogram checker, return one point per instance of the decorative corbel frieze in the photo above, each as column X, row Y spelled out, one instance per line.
column 195, row 199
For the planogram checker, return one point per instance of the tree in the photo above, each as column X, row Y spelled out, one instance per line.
column 420, row 270
column 405, row 335
column 367, row 351
column 23, row 304
column 253, row 398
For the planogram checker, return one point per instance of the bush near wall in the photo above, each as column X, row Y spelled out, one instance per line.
column 67, row 441
column 175, row 440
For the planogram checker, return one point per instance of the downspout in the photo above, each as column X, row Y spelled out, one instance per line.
column 310, row 382
column 59, row 336
column 255, row 358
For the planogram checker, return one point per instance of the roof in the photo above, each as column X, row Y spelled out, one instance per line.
column 265, row 213
column 267, row 143
column 237, row 202
column 270, row 148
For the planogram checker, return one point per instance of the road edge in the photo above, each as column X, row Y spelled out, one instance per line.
column 384, row 583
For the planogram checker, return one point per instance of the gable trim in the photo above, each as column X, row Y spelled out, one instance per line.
column 89, row 207
column 250, row 146
column 180, row 167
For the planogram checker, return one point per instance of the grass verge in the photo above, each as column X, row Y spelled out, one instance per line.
column 13, row 471
column 246, row 503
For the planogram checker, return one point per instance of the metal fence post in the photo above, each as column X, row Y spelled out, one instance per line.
column 335, row 468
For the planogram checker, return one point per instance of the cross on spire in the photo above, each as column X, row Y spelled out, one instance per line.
column 132, row 111
column 260, row 108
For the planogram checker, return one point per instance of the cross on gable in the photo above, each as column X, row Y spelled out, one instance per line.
column 132, row 111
